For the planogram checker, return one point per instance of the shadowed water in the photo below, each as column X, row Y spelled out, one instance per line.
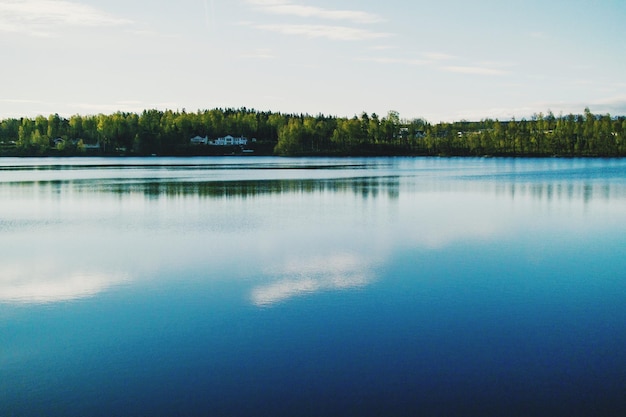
column 278, row 286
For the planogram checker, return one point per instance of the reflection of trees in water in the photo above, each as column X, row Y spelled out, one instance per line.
column 564, row 191
column 389, row 187
column 367, row 187
column 548, row 191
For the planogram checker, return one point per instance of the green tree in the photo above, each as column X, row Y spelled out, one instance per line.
column 391, row 127
column 39, row 142
column 588, row 132
column 149, row 133
column 291, row 138
column 106, row 131
column 76, row 127
column 24, row 135
column 374, row 132
column 54, row 126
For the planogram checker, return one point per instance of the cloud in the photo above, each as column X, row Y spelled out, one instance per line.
column 427, row 58
column 260, row 53
column 438, row 56
column 527, row 110
column 19, row 101
column 384, row 47
column 613, row 105
column 424, row 59
column 209, row 15
column 385, row 60
column 342, row 33
column 474, row 70
column 481, row 68
column 501, row 113
column 122, row 105
column 45, row 17
column 332, row 32
column 301, row 277
column 289, row 9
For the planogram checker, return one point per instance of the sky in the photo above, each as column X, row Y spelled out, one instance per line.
column 441, row 60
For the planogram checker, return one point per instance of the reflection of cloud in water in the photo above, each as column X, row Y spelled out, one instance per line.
column 314, row 275
column 47, row 283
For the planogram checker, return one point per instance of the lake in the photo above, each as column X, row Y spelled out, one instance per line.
column 312, row 287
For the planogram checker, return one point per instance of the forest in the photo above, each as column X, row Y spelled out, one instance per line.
column 157, row 132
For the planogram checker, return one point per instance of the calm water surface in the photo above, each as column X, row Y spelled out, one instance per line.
column 276, row 286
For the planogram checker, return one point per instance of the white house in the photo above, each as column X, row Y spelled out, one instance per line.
column 229, row 141
column 199, row 140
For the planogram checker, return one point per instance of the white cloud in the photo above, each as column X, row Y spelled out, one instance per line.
column 289, row 9
column 342, row 33
column 615, row 102
column 45, row 17
column 129, row 103
column 438, row 56
column 386, row 60
column 614, row 105
column 123, row 105
column 384, row 47
column 501, row 113
column 260, row 53
column 473, row 70
column 19, row 101
column 332, row 32
column 426, row 58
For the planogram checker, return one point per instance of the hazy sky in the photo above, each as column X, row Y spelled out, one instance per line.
column 441, row 60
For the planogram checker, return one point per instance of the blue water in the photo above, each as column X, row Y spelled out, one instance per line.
column 278, row 286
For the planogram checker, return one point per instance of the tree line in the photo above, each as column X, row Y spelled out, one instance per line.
column 156, row 132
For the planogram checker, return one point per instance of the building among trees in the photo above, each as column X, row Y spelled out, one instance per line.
column 227, row 140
